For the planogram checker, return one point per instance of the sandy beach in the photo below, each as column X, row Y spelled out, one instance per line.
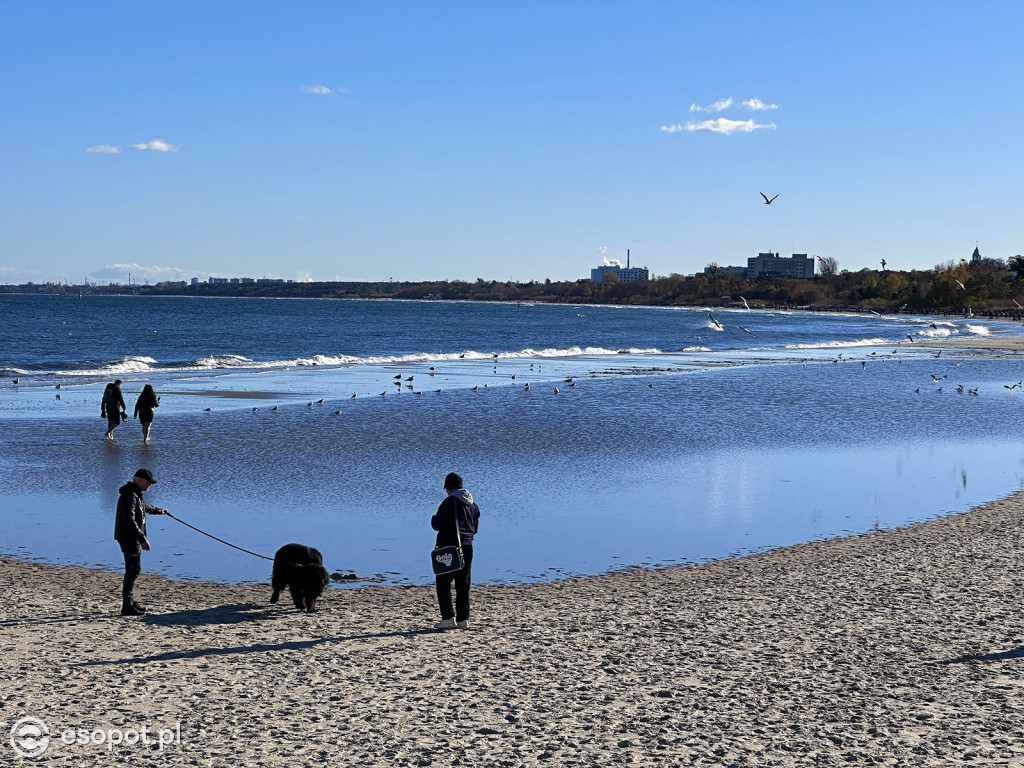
column 900, row 647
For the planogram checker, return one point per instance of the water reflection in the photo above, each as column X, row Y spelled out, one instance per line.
column 610, row 473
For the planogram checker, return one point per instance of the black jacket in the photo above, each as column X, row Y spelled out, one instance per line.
column 145, row 404
column 459, row 505
column 113, row 400
column 130, row 521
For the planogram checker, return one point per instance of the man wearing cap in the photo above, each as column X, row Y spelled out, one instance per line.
column 130, row 533
column 457, row 509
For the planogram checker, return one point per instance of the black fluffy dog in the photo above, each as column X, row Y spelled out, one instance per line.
column 301, row 570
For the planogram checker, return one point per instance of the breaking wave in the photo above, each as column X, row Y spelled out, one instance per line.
column 139, row 365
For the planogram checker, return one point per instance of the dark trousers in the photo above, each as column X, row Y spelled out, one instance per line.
column 132, row 568
column 461, row 581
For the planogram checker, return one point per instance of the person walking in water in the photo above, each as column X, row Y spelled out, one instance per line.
column 130, row 534
column 112, row 407
column 457, row 509
column 144, row 410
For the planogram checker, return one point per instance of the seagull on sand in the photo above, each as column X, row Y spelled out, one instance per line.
column 410, row 378
column 397, row 377
column 766, row 200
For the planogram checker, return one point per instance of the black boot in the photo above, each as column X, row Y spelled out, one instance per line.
column 138, row 606
column 131, row 609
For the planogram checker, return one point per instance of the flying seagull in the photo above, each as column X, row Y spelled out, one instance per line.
column 745, row 330
column 766, row 200
column 883, row 265
column 962, row 286
column 745, row 305
column 714, row 322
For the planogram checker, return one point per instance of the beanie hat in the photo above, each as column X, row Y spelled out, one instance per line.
column 452, row 482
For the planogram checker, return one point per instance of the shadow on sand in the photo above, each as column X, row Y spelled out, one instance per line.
column 254, row 648
column 1013, row 653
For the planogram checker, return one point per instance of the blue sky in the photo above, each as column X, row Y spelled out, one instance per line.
column 522, row 140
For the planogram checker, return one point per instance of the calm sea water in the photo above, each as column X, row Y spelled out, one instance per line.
column 678, row 439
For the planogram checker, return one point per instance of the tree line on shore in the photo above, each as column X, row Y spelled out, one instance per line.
column 988, row 285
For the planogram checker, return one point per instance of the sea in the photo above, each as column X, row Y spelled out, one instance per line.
column 594, row 438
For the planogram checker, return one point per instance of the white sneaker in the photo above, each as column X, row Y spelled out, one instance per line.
column 445, row 624
column 462, row 624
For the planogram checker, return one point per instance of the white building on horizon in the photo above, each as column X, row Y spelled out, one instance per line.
column 626, row 274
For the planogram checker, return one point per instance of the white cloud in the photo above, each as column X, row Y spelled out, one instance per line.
column 718, row 106
column 318, row 90
column 756, row 104
column 726, row 126
column 674, row 128
column 104, row 149
column 118, row 273
column 156, row 145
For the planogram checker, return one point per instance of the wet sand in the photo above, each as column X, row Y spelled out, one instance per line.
column 901, row 647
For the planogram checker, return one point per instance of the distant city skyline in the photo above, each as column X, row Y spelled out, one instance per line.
column 521, row 141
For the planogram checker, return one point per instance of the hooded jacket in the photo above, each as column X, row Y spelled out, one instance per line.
column 458, row 505
column 130, row 521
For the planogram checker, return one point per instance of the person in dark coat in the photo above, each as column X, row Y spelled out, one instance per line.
column 144, row 407
column 112, row 407
column 130, row 533
column 458, row 508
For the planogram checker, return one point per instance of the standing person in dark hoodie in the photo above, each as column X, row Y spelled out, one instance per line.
column 130, row 533
column 458, row 508
column 144, row 410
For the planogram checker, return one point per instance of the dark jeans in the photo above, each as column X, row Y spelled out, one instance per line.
column 461, row 580
column 132, row 568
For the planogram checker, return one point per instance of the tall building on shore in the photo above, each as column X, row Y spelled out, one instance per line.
column 797, row 265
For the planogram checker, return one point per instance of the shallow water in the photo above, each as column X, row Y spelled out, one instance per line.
column 659, row 459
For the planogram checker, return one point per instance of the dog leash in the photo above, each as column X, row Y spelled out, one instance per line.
column 254, row 554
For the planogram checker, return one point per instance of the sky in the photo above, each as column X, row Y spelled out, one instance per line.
column 502, row 140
